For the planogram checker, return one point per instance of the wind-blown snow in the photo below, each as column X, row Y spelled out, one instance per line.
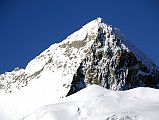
column 97, row 103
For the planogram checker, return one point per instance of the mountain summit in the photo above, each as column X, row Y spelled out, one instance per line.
column 96, row 54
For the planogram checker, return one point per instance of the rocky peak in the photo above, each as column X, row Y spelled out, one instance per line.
column 114, row 63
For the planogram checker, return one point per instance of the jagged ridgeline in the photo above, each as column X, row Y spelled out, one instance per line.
column 113, row 63
column 96, row 54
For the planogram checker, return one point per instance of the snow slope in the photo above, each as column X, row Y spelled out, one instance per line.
column 59, row 61
column 97, row 103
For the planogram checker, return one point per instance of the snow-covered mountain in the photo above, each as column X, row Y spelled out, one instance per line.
column 96, row 54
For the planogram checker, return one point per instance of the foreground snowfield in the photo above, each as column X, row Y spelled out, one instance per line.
column 97, row 103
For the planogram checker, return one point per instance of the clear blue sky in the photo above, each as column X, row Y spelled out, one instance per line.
column 27, row 27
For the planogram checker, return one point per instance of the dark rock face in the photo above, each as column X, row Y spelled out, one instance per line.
column 109, row 63
column 78, row 81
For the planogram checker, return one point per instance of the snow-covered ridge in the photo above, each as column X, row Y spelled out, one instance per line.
column 97, row 103
column 53, row 58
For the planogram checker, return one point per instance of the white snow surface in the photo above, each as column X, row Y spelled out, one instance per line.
column 97, row 103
